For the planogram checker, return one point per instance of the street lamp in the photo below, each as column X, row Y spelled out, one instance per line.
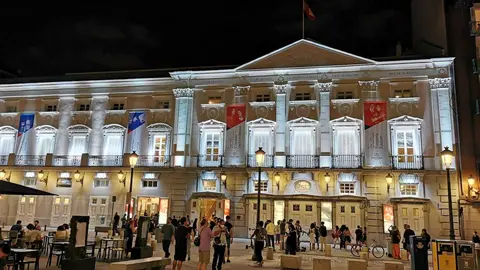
column 447, row 157
column 472, row 193
column 260, row 157
column 223, row 177
column 276, row 177
column 389, row 180
column 326, row 177
column 133, row 161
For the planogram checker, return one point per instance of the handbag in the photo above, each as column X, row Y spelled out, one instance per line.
column 196, row 241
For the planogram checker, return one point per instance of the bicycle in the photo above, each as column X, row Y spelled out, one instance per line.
column 377, row 250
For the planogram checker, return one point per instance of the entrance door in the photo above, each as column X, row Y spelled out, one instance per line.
column 98, row 210
column 208, row 208
column 348, row 213
column 265, row 213
column 26, row 209
column 411, row 214
column 306, row 213
column 150, row 205
column 60, row 211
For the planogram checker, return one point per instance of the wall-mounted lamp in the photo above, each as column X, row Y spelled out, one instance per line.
column 121, row 177
column 3, row 175
column 276, row 177
column 78, row 177
column 326, row 177
column 472, row 193
column 42, row 177
column 223, row 177
column 389, row 180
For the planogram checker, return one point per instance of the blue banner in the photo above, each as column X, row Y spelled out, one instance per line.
column 136, row 120
column 26, row 123
column 136, row 128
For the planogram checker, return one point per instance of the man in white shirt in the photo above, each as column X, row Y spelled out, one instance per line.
column 219, row 245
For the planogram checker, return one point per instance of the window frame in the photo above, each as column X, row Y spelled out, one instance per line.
column 113, row 129
column 11, row 132
column 41, row 131
column 300, row 96
column 344, row 95
column 350, row 179
column 159, row 129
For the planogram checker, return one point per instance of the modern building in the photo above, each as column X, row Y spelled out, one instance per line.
column 333, row 125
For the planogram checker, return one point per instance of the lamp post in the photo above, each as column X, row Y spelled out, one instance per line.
column 133, row 161
column 260, row 158
column 389, row 180
column 447, row 156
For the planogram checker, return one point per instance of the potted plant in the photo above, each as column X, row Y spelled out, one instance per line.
column 76, row 257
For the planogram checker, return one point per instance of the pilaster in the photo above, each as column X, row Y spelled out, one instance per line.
column 281, row 92
column 99, row 107
column 183, row 124
column 324, row 90
column 369, row 89
column 65, row 105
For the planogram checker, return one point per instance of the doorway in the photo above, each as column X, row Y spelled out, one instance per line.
column 208, row 208
column 348, row 214
column 411, row 214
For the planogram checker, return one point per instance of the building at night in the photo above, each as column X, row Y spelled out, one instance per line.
column 333, row 125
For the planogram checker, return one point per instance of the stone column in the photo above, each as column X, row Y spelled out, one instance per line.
column 282, row 91
column 99, row 107
column 324, row 90
column 234, row 154
column 183, row 125
column 65, row 106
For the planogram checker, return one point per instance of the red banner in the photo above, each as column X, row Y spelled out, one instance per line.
column 235, row 115
column 375, row 112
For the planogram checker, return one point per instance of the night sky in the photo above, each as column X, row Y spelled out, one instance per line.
column 51, row 41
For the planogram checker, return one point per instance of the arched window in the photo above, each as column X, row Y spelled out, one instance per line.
column 8, row 136
column 113, row 140
column 78, row 136
column 45, row 140
column 348, row 184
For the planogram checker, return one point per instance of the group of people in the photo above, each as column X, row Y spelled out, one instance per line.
column 396, row 238
column 343, row 236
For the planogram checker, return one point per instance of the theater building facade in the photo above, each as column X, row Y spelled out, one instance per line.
column 333, row 125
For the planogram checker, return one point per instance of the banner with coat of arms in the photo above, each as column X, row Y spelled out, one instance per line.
column 235, row 142
column 376, row 135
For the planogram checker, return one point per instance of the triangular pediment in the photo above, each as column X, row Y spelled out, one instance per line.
column 303, row 121
column 211, row 123
column 262, row 121
column 405, row 119
column 346, row 120
column 305, row 53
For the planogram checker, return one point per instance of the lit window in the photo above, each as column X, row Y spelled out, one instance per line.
column 263, row 186
column 302, row 96
column 402, row 93
column 117, row 106
column 51, row 108
column 159, row 148
column 408, row 190
column 213, row 146
column 345, row 95
column 405, row 146
column 149, row 183
column 101, row 181
column 209, row 185
column 347, row 188
column 30, row 179
column 263, row 98
column 149, row 176
column 409, row 185
column 84, row 107
column 65, row 175
column 164, row 104
column 214, row 100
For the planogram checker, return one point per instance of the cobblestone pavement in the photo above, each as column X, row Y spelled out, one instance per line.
column 241, row 259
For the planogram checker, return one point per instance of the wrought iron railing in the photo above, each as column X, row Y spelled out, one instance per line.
column 30, row 160
column 67, row 161
column 3, row 160
column 210, row 161
column 303, row 161
column 153, row 161
column 407, row 162
column 269, row 161
column 347, row 161
column 108, row 161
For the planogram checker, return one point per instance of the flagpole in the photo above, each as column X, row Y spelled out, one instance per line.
column 303, row 19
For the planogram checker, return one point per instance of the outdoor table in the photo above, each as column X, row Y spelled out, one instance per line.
column 105, row 246
column 52, row 247
column 19, row 256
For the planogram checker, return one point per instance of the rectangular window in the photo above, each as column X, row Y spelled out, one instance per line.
column 101, row 182
column 212, row 146
column 209, row 185
column 51, row 108
column 84, row 107
column 408, row 189
column 159, row 148
column 402, row 93
column 64, row 182
column 11, row 109
column 149, row 183
column 296, row 207
column 347, row 188
column 113, row 145
column 302, row 96
column 164, row 104
column 7, row 144
column 309, row 208
column 263, row 98
column 117, row 106
column 45, row 144
column 263, row 186
column 30, row 181
column 78, row 144
column 214, row 100
column 345, row 95
column 405, row 150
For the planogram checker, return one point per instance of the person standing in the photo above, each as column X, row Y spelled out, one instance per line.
column 4, row 252
column 476, row 238
column 323, row 236
column 336, row 235
column 271, row 234
column 426, row 238
column 174, row 222
column 181, row 236
column 406, row 239
column 194, row 227
column 311, row 235
column 36, row 223
column 283, row 231
column 189, row 240
column 129, row 230
column 219, row 244
column 277, row 233
column 260, row 235
column 291, row 247
column 168, row 232
column 358, row 235
column 299, row 230
column 116, row 221
column 229, row 234
column 395, row 235
column 205, row 235
column 124, row 220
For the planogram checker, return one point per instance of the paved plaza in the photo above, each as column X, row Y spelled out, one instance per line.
column 241, row 259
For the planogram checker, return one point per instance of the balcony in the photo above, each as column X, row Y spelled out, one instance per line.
column 107, row 161
column 407, row 162
column 347, row 161
column 154, row 161
column 269, row 161
column 210, row 161
column 303, row 161
column 72, row 161
column 30, row 160
column 4, row 160
column 474, row 28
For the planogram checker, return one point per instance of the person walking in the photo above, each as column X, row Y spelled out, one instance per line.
column 116, row 221
column 406, row 239
column 124, row 220
column 189, row 239
column 219, row 244
column 129, row 230
column 291, row 243
column 336, row 235
column 395, row 235
column 283, row 231
column 271, row 234
column 323, row 236
column 311, row 235
column 168, row 232
column 205, row 235
column 181, row 236
column 358, row 235
column 260, row 235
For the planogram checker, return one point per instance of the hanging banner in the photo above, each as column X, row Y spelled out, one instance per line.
column 25, row 132
column 235, row 143
column 388, row 217
column 136, row 129
column 376, row 136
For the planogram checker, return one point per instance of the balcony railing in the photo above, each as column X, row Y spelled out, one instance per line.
column 347, row 161
column 153, row 161
column 72, row 161
column 3, row 160
column 269, row 161
column 107, row 161
column 407, row 162
column 474, row 28
column 30, row 160
column 303, row 161
column 210, row 161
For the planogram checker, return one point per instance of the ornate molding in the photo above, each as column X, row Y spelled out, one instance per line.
column 113, row 128
column 45, row 129
column 323, row 87
column 262, row 108
column 404, row 106
column 439, row 83
column 282, row 89
column 241, row 90
column 161, row 115
column 78, row 129
column 8, row 130
column 213, row 111
column 82, row 116
column 159, row 127
column 368, row 85
column 183, row 92
column 303, row 108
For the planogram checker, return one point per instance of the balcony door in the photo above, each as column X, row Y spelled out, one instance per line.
column 346, row 147
column 261, row 137
column 302, row 148
column 406, row 142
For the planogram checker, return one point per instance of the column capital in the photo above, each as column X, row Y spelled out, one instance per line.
column 183, row 92
column 368, row 85
column 440, row 83
column 281, row 89
column 323, row 87
column 241, row 90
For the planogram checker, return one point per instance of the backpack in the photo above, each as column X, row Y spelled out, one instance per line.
column 260, row 234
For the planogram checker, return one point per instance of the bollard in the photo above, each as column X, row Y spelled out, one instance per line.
column 328, row 250
column 364, row 256
column 356, row 264
column 153, row 243
column 393, row 266
column 404, row 255
column 269, row 253
column 322, row 263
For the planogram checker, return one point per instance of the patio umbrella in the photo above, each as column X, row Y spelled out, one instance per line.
column 8, row 188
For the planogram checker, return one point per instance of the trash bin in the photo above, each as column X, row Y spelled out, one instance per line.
column 466, row 256
column 443, row 254
column 419, row 253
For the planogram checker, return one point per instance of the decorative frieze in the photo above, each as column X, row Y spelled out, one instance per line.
column 303, row 108
column 404, row 106
column 323, row 87
column 368, row 85
column 439, row 83
column 241, row 90
column 213, row 111
column 183, row 92
column 282, row 89
column 262, row 108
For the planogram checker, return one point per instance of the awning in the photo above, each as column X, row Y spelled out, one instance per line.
column 8, row 188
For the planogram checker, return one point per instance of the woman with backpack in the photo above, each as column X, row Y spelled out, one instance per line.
column 260, row 235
